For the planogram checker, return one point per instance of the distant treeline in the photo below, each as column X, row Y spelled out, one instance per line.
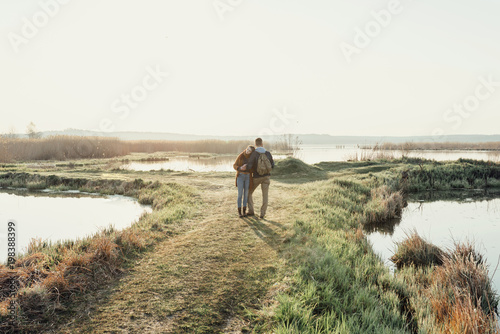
column 76, row 147
column 488, row 146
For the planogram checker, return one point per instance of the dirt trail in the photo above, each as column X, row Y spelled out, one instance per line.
column 198, row 281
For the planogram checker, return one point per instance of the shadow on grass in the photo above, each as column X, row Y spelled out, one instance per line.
column 263, row 231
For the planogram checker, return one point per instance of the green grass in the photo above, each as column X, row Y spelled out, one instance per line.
column 339, row 285
column 462, row 174
column 51, row 273
column 336, row 284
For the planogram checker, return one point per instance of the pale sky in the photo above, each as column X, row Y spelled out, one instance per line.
column 243, row 67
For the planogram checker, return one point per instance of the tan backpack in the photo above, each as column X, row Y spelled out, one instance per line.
column 264, row 165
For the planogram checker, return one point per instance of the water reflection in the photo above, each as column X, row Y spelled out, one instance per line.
column 187, row 164
column 49, row 193
column 190, row 164
column 56, row 216
column 441, row 218
column 310, row 154
column 386, row 228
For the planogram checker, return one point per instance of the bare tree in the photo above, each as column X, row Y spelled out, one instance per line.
column 32, row 131
column 289, row 143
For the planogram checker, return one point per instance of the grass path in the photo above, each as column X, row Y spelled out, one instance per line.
column 203, row 278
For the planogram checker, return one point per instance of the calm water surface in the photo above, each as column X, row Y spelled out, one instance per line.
column 186, row 164
column 469, row 216
column 60, row 216
column 310, row 154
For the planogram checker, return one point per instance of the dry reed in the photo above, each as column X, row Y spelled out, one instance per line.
column 414, row 250
column 459, row 292
column 74, row 147
column 409, row 146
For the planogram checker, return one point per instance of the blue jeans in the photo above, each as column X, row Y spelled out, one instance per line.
column 243, row 183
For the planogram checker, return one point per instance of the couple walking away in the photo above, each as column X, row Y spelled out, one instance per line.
column 253, row 168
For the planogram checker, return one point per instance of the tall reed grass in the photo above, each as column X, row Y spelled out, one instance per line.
column 371, row 153
column 74, row 147
column 410, row 146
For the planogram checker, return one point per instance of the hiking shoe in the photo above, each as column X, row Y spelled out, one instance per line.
column 261, row 216
column 250, row 214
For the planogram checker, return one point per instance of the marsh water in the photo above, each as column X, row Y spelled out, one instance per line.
column 187, row 164
column 56, row 216
column 310, row 154
column 445, row 217
column 190, row 164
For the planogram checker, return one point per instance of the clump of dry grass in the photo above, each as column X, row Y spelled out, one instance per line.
column 56, row 283
column 73, row 258
column 36, row 302
column 463, row 268
column 129, row 240
column 36, row 246
column 103, row 250
column 457, row 312
column 415, row 251
column 465, row 252
column 458, row 290
column 43, row 279
column 32, row 259
column 384, row 205
column 462, row 297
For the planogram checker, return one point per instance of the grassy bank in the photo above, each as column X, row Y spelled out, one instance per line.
column 462, row 174
column 49, row 275
column 341, row 286
column 308, row 268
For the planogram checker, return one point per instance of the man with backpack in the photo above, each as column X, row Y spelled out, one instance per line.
column 260, row 164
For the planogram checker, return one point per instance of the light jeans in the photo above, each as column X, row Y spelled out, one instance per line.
column 243, row 183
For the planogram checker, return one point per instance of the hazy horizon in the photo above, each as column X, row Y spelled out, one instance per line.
column 254, row 134
column 229, row 68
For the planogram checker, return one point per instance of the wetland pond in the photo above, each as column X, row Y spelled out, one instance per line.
column 442, row 218
column 310, row 154
column 54, row 216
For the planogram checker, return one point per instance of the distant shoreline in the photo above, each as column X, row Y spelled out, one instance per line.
column 307, row 139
